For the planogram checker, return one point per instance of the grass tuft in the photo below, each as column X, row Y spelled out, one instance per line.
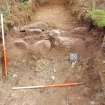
column 98, row 17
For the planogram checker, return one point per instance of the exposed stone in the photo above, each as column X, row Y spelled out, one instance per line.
column 79, row 30
column 37, row 25
column 55, row 33
column 36, row 30
column 19, row 43
column 69, row 42
column 42, row 47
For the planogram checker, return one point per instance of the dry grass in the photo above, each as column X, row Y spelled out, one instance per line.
column 16, row 13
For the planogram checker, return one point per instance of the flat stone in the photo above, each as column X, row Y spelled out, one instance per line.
column 19, row 43
column 68, row 42
column 55, row 33
column 79, row 30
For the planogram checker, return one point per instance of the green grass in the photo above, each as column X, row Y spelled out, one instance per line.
column 98, row 17
column 23, row 1
column 24, row 6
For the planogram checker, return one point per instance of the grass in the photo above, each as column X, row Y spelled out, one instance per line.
column 98, row 17
column 5, row 9
column 15, row 14
column 24, row 6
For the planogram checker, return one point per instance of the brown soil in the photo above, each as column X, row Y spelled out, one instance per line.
column 55, row 15
column 28, row 68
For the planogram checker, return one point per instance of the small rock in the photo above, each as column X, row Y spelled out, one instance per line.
column 54, row 70
column 55, row 32
column 16, row 29
column 23, row 61
column 73, row 64
column 53, row 78
column 79, row 30
column 14, row 76
column 103, row 62
column 36, row 30
column 92, row 103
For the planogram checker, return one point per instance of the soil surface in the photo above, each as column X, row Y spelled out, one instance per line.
column 36, row 60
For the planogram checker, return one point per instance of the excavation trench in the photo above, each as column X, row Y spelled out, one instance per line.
column 34, row 61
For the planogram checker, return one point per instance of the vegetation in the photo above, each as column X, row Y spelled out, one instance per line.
column 15, row 13
column 24, row 6
column 24, row 0
column 98, row 17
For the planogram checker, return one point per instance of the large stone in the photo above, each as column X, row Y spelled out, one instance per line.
column 21, row 44
column 37, row 25
column 71, row 43
column 41, row 47
column 68, row 42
